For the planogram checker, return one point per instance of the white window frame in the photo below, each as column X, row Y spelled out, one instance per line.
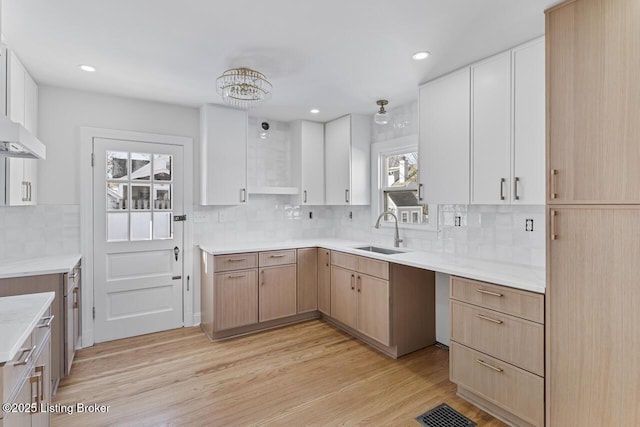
column 379, row 151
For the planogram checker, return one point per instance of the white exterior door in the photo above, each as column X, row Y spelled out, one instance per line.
column 138, row 246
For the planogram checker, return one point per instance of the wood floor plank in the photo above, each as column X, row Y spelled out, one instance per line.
column 304, row 374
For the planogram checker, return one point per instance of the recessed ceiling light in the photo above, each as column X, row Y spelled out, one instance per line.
column 421, row 55
column 314, row 111
column 87, row 68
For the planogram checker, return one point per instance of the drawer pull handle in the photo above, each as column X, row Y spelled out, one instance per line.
column 75, row 297
column 28, row 352
column 236, row 276
column 499, row 322
column 236, row 259
column 40, row 370
column 46, row 322
column 495, row 294
column 483, row 363
column 277, row 256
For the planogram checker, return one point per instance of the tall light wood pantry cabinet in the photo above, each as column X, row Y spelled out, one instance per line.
column 593, row 196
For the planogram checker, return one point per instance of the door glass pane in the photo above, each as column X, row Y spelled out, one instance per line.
column 140, row 197
column 162, row 165
column 162, row 196
column 117, row 195
column 117, row 227
column 140, row 166
column 141, row 226
column 162, row 225
column 117, row 165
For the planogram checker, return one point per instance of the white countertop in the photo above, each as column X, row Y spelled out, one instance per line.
column 39, row 266
column 513, row 275
column 18, row 317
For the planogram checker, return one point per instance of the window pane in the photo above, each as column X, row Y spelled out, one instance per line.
column 140, row 196
column 117, row 195
column 117, row 165
column 162, row 225
column 162, row 164
column 141, row 166
column 141, row 226
column 405, row 205
column 117, row 227
column 401, row 169
column 162, row 196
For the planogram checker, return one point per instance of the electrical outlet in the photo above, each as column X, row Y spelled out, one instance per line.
column 528, row 224
column 222, row 216
column 200, row 217
column 350, row 215
column 457, row 222
column 310, row 215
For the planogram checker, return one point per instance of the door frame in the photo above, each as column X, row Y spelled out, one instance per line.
column 87, row 134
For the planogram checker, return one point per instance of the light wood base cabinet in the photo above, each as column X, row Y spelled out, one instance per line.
column 324, row 281
column 497, row 359
column 307, row 281
column 277, row 292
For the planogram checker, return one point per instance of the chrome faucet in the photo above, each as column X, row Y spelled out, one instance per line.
column 397, row 239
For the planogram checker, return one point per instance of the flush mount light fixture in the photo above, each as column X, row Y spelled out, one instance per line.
column 381, row 117
column 418, row 56
column 87, row 68
column 314, row 111
column 243, row 87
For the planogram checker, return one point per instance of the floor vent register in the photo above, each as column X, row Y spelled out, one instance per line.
column 444, row 416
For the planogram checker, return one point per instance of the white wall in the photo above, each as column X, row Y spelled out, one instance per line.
column 63, row 111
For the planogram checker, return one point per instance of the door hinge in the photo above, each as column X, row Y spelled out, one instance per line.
column 94, row 312
column 93, row 159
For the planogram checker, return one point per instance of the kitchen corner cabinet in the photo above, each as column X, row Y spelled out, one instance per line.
column 22, row 106
column 324, row 281
column 223, row 155
column 348, row 161
column 444, row 126
column 307, row 152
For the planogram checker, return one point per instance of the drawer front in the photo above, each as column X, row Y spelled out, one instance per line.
column 344, row 260
column 518, row 392
column 516, row 302
column 373, row 267
column 235, row 262
column 514, row 340
column 277, row 258
column 13, row 370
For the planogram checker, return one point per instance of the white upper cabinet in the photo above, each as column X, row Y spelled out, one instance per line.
column 444, row 139
column 528, row 183
column 347, row 161
column 491, row 130
column 223, row 155
column 307, row 155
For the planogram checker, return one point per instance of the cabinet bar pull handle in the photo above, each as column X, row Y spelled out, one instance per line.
column 40, row 369
column 502, row 181
column 236, row 259
column 420, row 196
column 480, row 316
column 236, row 276
column 554, row 173
column 553, row 214
column 359, row 283
column 346, row 196
column 516, row 181
column 46, row 322
column 28, row 352
column 243, row 195
column 277, row 256
column 353, row 278
column 25, row 197
column 495, row 294
column 75, row 297
column 483, row 363
column 304, row 196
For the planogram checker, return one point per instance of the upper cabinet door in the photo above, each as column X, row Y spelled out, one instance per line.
column 223, row 156
column 30, row 104
column 527, row 184
column 444, row 139
column 338, row 161
column 491, row 130
column 15, row 89
column 307, row 166
column 593, row 64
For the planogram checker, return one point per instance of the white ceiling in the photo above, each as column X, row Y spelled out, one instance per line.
column 336, row 55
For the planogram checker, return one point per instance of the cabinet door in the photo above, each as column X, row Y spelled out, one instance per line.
column 444, row 139
column 593, row 64
column 307, row 280
column 30, row 176
column 338, row 161
column 43, row 369
column 343, row 295
column 491, row 130
column 527, row 184
column 25, row 395
column 312, row 163
column 15, row 88
column 373, row 308
column 223, row 156
column 277, row 294
column 593, row 321
column 324, row 281
column 235, row 299
column 17, row 188
column 30, row 104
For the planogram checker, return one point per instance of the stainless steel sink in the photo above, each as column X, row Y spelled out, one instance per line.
column 378, row 250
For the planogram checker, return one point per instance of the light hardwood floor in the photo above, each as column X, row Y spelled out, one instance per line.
column 305, row 374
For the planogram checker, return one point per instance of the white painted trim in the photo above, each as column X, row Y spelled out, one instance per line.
column 86, row 136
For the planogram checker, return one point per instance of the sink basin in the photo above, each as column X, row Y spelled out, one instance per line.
column 379, row 250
